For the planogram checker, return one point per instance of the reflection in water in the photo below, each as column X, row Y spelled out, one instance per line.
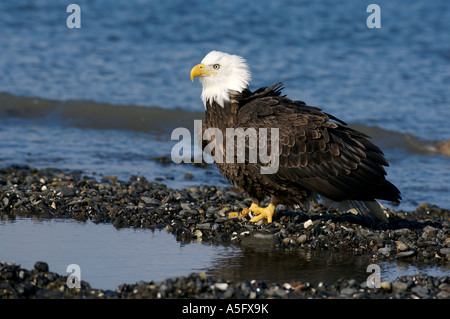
column 310, row 266
column 290, row 266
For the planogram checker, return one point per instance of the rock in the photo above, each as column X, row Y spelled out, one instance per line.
column 118, row 223
column 287, row 286
column 288, row 240
column 447, row 242
column 430, row 231
column 385, row 251
column 406, row 254
column 386, row 285
column 443, row 295
column 185, row 206
column 198, row 234
column 222, row 286
column 401, row 246
column 67, row 191
column 421, row 291
column 188, row 212
column 41, row 266
column 399, row 286
column 308, row 223
column 204, row 226
column 301, row 239
column 228, row 293
column 150, row 201
column 259, row 241
column 348, row 291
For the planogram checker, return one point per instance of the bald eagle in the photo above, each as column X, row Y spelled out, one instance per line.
column 319, row 155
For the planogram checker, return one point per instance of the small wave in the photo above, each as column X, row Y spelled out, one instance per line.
column 157, row 120
column 96, row 115
column 411, row 143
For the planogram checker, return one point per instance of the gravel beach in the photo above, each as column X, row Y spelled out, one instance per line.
column 202, row 213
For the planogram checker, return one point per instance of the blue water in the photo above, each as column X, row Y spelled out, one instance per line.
column 141, row 52
column 106, row 261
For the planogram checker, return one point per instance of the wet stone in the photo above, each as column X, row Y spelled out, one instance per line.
column 399, row 286
column 421, row 291
column 348, row 291
column 402, row 246
column 41, row 266
column 150, row 201
column 385, row 285
column 302, row 239
column 406, row 254
column 67, row 191
column 385, row 251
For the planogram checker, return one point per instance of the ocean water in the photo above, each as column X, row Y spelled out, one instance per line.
column 104, row 98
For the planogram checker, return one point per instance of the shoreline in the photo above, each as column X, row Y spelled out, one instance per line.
column 201, row 213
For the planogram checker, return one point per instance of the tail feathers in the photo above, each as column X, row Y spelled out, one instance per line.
column 372, row 209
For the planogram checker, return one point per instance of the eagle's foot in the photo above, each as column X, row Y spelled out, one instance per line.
column 261, row 213
column 244, row 213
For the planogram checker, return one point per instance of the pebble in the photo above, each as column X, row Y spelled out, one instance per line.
column 302, row 239
column 150, row 201
column 204, row 226
column 308, row 223
column 421, row 291
column 222, row 286
column 401, row 246
column 41, row 266
column 406, row 254
column 386, row 285
column 385, row 251
column 399, row 286
column 67, row 191
column 198, row 234
column 348, row 291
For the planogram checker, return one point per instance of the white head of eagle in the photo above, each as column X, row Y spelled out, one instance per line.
column 219, row 74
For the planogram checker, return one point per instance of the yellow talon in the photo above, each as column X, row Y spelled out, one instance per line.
column 243, row 213
column 266, row 212
column 262, row 213
column 233, row 214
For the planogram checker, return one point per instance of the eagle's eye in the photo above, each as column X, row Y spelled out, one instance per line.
column 216, row 66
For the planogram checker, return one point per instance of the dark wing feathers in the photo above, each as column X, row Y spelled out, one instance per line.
column 317, row 150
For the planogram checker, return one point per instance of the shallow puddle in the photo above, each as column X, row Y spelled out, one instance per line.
column 108, row 257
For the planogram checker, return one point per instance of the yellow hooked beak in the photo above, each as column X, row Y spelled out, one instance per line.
column 200, row 70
